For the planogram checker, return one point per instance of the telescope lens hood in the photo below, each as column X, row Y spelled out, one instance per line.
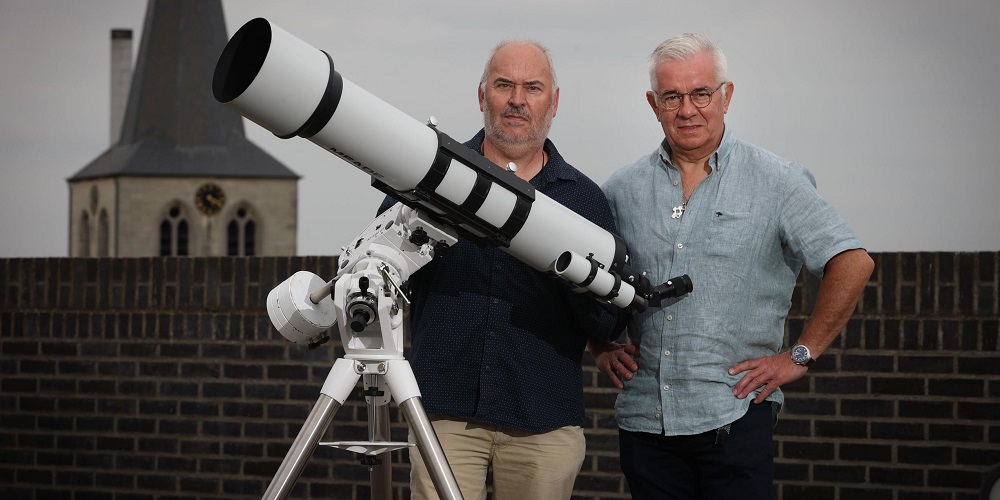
column 241, row 60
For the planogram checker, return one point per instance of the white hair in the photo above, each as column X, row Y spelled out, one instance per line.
column 684, row 47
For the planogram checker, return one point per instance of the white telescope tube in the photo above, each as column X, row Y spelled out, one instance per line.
column 291, row 88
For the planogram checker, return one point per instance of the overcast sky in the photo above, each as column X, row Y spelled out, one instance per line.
column 891, row 104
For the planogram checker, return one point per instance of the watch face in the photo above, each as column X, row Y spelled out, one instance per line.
column 800, row 354
column 209, row 199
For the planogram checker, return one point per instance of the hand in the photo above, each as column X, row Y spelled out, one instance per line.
column 769, row 372
column 615, row 360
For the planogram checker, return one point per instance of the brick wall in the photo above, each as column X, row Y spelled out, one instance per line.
column 157, row 378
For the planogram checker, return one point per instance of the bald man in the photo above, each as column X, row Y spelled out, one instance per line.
column 496, row 345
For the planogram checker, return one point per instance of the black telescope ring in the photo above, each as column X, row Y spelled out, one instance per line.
column 325, row 109
column 621, row 253
column 477, row 196
column 518, row 216
column 439, row 167
column 614, row 289
column 593, row 271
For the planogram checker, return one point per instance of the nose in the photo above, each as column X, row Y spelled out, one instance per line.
column 517, row 96
column 687, row 109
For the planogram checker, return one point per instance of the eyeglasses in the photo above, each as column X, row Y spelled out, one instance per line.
column 699, row 97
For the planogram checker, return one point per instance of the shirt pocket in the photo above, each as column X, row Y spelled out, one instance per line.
column 731, row 244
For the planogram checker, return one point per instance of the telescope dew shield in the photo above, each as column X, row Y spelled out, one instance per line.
column 291, row 88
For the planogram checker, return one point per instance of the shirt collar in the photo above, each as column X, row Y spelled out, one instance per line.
column 556, row 168
column 718, row 159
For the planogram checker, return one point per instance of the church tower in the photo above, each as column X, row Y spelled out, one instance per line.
column 182, row 179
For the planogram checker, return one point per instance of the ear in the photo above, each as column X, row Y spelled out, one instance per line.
column 482, row 96
column 729, row 96
column 555, row 102
column 651, row 99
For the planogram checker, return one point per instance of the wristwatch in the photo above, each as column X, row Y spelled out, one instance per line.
column 801, row 355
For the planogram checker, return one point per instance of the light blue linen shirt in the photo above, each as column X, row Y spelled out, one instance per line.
column 746, row 232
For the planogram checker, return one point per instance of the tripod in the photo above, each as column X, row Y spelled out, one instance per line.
column 398, row 377
column 368, row 305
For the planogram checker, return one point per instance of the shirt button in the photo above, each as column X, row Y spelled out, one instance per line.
column 666, row 353
column 676, row 182
column 659, row 415
column 680, row 245
column 658, row 407
column 666, row 387
column 670, row 317
column 496, row 301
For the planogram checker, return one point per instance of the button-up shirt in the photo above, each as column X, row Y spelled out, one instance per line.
column 496, row 341
column 745, row 234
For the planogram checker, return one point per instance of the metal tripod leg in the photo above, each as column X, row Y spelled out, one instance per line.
column 339, row 384
column 337, row 387
column 430, row 449
column 403, row 386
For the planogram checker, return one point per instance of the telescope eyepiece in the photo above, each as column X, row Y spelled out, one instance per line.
column 674, row 287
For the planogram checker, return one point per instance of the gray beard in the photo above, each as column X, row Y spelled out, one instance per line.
column 497, row 133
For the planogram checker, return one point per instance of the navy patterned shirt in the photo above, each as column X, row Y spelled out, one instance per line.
column 498, row 342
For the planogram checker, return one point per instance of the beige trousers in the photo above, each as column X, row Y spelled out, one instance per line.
column 524, row 465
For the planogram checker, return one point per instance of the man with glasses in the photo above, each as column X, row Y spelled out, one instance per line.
column 496, row 345
column 700, row 377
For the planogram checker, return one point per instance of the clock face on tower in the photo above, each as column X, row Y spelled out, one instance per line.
column 209, row 199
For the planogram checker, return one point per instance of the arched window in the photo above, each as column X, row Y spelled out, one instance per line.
column 174, row 233
column 84, row 242
column 241, row 234
column 103, row 234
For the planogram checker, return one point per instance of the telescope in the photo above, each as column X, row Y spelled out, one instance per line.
column 445, row 190
column 292, row 89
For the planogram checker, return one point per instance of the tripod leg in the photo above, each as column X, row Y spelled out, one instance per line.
column 378, row 431
column 338, row 386
column 403, row 386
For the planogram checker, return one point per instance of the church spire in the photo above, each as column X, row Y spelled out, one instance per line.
column 172, row 125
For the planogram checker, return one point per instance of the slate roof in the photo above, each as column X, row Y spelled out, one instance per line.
column 173, row 126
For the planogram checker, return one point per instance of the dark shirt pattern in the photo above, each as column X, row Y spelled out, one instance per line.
column 496, row 341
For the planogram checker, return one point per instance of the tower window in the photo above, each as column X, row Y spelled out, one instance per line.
column 84, row 235
column 241, row 234
column 103, row 234
column 174, row 234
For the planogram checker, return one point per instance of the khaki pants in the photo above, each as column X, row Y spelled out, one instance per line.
column 525, row 465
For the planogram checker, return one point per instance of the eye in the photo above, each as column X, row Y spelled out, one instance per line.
column 672, row 98
column 702, row 94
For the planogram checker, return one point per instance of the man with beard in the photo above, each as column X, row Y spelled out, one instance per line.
column 496, row 345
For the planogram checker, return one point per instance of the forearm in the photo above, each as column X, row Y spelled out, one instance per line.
column 844, row 278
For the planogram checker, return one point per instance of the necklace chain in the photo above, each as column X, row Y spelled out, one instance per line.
column 679, row 209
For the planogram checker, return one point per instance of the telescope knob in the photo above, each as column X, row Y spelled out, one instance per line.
column 419, row 237
column 432, row 122
column 512, row 167
column 359, row 320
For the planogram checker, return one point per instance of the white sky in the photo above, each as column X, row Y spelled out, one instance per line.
column 891, row 104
